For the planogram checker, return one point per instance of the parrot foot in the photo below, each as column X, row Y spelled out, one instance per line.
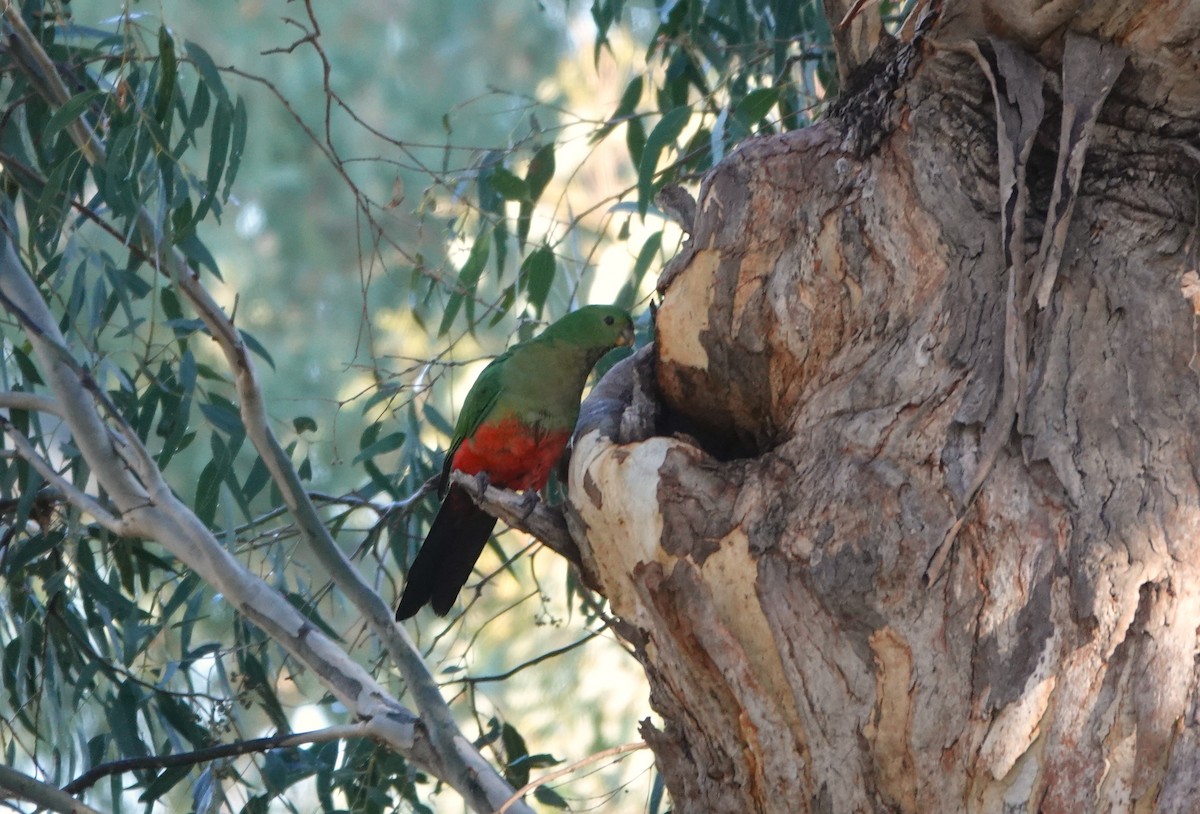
column 529, row 502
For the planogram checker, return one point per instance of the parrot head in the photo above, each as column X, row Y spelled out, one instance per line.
column 593, row 326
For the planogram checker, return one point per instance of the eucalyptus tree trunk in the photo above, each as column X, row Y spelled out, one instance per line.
column 917, row 527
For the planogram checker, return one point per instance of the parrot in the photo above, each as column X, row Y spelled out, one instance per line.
column 513, row 429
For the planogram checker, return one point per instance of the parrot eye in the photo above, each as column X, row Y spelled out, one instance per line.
column 608, row 320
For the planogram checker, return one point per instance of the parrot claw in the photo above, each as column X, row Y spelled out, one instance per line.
column 529, row 502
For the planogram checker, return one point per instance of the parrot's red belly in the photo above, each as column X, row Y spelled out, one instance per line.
column 514, row 455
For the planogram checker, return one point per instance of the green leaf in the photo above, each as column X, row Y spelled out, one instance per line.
column 197, row 116
column 664, row 133
column 208, row 70
column 24, row 550
column 756, row 105
column 71, row 110
column 549, row 797
column 540, row 171
column 537, row 176
column 468, row 279
column 500, row 241
column 257, row 348
column 220, row 136
column 303, row 423
column 170, row 304
column 307, row 607
column 635, row 140
column 508, row 185
column 369, row 435
column 237, row 146
column 380, row 480
column 183, row 591
column 697, row 155
column 386, row 392
column 208, row 490
column 256, row 679
column 629, row 100
column 167, row 76
column 537, row 275
column 258, row 804
column 434, row 416
column 656, row 793
column 259, row 477
column 123, row 559
column 164, row 783
column 645, row 257
column 183, row 719
column 516, row 770
column 197, row 253
column 387, row 443
column 524, row 221
column 103, row 594
column 222, row 415
column 122, row 718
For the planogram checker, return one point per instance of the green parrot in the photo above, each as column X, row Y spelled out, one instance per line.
column 514, row 426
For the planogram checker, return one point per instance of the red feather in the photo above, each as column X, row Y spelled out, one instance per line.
column 514, row 455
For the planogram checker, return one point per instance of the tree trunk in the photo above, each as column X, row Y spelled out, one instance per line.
column 919, row 528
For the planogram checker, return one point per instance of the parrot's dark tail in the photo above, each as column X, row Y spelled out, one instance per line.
column 444, row 563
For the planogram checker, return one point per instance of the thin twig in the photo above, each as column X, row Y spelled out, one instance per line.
column 507, row 674
column 97, row 773
column 557, row 773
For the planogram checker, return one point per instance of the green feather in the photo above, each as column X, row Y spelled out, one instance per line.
column 539, row 381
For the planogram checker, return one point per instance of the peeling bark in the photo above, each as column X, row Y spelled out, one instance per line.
column 969, row 339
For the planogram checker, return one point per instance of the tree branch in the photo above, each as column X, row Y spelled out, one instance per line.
column 80, row 500
column 158, row 514
column 33, row 402
column 98, row 773
column 544, row 522
column 507, row 674
column 19, row 786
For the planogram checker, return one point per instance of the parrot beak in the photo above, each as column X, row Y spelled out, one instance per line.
column 626, row 337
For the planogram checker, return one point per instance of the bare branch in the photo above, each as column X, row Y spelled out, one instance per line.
column 80, row 500
column 19, row 786
column 507, row 674
column 97, row 773
column 542, row 521
column 34, row 402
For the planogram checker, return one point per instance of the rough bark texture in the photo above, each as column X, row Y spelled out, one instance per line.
column 956, row 337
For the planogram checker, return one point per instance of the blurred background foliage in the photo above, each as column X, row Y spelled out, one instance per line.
column 384, row 194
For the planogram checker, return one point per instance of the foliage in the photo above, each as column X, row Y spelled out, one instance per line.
column 112, row 649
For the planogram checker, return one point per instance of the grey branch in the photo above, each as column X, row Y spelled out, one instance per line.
column 33, row 402
column 16, row 785
column 544, row 522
